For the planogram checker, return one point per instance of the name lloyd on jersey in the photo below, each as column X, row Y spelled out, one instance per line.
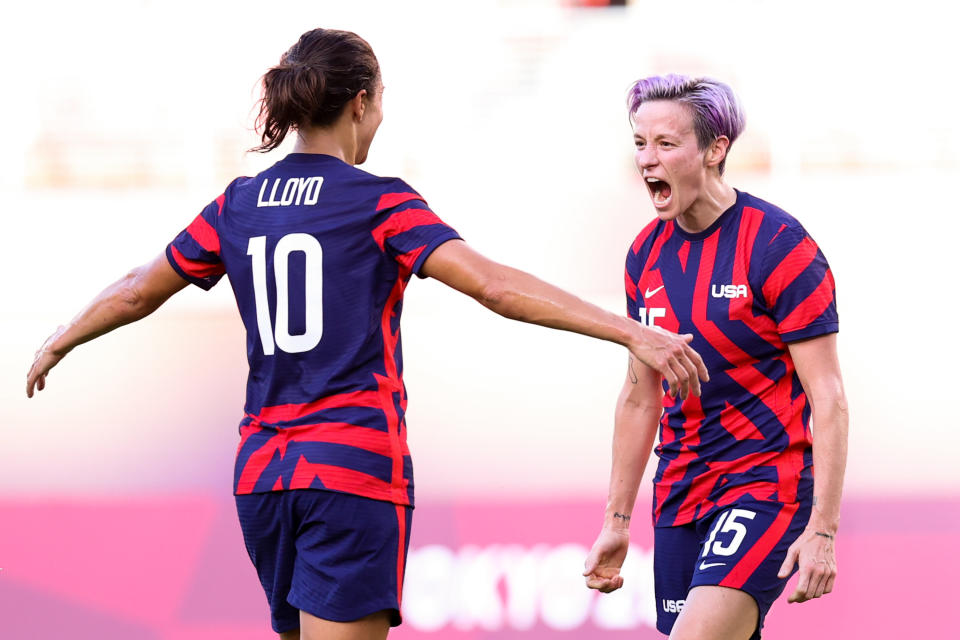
column 295, row 191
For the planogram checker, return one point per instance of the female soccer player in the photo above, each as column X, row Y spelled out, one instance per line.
column 735, row 504
column 318, row 253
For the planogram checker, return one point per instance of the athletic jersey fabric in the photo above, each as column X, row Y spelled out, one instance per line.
column 744, row 287
column 318, row 253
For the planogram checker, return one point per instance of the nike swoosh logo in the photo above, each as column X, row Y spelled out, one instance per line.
column 705, row 565
column 648, row 292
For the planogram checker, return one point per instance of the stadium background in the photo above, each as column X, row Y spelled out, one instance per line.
column 124, row 118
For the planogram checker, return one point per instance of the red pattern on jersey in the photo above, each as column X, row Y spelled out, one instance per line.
column 196, row 268
column 657, row 245
column 288, row 412
column 386, row 387
column 742, row 571
column 738, row 425
column 812, row 307
column 701, row 295
column 629, row 285
column 683, row 254
column 677, row 468
column 789, row 268
column 205, row 235
column 338, row 479
column 640, row 239
column 389, row 200
column 403, row 221
column 749, row 226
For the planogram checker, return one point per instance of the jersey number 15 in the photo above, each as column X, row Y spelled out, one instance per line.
column 279, row 335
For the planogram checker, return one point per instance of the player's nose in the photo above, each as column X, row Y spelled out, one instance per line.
column 646, row 158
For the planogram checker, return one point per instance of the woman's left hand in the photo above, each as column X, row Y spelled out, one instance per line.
column 44, row 360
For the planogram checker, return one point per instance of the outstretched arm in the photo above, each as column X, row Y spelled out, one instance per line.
column 635, row 427
column 132, row 297
column 819, row 370
column 520, row 296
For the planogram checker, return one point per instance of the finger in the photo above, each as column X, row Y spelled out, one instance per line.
column 788, row 563
column 671, row 378
column 692, row 379
column 698, row 362
column 590, row 564
column 681, row 375
column 41, row 382
column 814, row 585
column 802, row 585
column 829, row 587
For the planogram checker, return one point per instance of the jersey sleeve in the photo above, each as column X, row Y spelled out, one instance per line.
column 798, row 286
column 407, row 230
column 195, row 252
column 631, row 282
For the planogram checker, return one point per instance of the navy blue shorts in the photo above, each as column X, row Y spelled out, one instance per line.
column 336, row 556
column 740, row 546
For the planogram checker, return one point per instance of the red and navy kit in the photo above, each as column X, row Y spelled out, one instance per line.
column 745, row 287
column 318, row 253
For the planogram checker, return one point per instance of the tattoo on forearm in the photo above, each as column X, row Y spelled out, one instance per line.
column 621, row 516
column 824, row 535
column 814, row 500
column 633, row 374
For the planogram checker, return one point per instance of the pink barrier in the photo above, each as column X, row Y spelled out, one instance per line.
column 174, row 568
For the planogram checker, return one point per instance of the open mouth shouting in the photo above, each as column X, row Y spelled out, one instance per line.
column 660, row 192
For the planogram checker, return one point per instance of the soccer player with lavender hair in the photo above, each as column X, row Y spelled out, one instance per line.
column 736, row 506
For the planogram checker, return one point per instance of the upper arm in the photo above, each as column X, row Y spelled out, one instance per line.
column 818, row 367
column 155, row 282
column 458, row 266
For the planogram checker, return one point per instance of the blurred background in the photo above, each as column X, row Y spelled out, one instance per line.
column 123, row 119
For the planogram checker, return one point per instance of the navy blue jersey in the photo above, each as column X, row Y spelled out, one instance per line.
column 745, row 287
column 318, row 253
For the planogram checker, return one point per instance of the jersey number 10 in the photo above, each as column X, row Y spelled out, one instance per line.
column 279, row 335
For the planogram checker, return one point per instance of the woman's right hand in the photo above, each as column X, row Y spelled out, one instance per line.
column 671, row 355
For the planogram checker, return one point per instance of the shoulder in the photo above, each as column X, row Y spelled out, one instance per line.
column 641, row 246
column 773, row 221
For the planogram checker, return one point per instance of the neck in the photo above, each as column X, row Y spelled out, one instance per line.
column 715, row 198
column 332, row 141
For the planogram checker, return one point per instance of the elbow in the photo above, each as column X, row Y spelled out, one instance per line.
column 497, row 295
column 130, row 298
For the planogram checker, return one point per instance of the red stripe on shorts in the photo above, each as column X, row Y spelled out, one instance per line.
column 742, row 571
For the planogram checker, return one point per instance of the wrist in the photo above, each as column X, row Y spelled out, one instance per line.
column 617, row 519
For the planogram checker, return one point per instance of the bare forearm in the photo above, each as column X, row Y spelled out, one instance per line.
column 830, row 426
column 119, row 304
column 520, row 296
column 635, row 429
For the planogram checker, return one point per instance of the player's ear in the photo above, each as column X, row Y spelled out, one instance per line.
column 358, row 105
column 717, row 151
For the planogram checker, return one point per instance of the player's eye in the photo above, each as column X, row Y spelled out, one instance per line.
column 664, row 143
column 639, row 143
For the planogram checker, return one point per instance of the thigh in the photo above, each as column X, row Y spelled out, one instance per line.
column 675, row 552
column 372, row 627
column 744, row 546
column 716, row 613
column 350, row 557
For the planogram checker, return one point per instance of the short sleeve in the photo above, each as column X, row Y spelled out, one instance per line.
column 798, row 286
column 407, row 230
column 195, row 252
column 631, row 282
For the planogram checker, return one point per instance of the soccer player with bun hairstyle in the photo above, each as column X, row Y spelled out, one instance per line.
column 318, row 253
column 736, row 505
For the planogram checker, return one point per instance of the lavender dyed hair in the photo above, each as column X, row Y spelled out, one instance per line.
column 716, row 110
